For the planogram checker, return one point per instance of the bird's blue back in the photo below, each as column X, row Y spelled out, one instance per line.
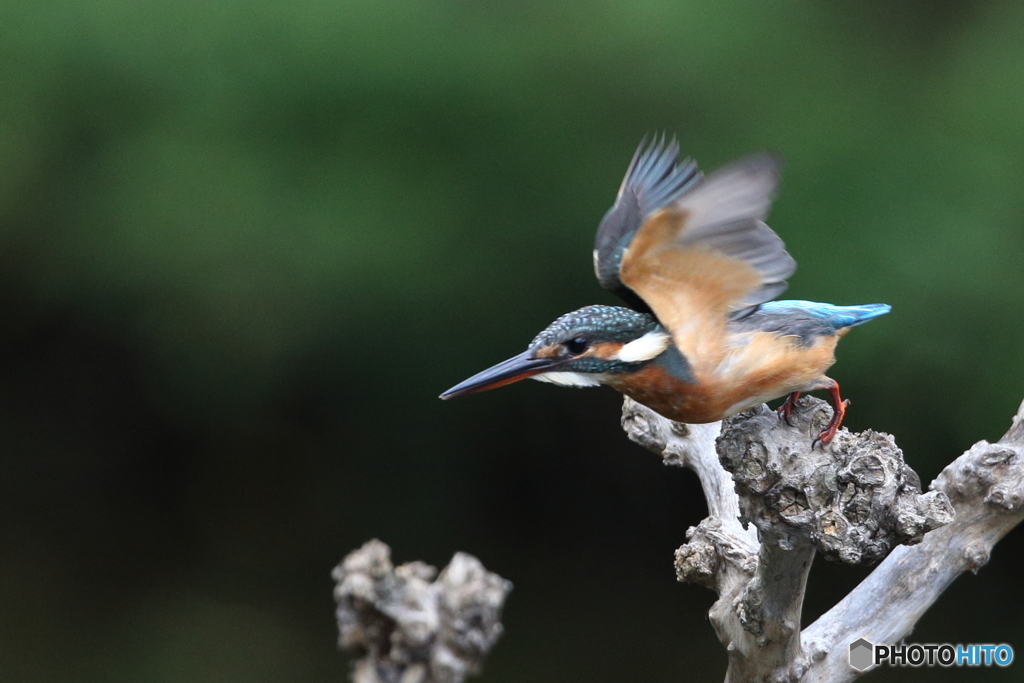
column 806, row 319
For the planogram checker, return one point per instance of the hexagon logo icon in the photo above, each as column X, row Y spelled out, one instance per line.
column 861, row 654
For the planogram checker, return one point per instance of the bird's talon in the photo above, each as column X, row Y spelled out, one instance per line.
column 825, row 438
column 785, row 411
column 839, row 406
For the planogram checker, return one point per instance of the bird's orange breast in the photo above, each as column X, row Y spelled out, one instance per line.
column 667, row 395
column 752, row 369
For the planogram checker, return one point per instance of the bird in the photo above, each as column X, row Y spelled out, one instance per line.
column 702, row 336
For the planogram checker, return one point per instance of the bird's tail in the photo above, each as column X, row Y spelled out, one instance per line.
column 857, row 315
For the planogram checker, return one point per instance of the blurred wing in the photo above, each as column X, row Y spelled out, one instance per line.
column 708, row 257
column 653, row 180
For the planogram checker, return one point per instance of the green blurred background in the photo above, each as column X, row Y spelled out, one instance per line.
column 243, row 246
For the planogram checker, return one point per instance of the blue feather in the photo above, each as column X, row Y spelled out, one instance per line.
column 837, row 317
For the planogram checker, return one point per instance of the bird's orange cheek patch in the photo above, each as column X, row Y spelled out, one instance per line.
column 553, row 351
column 605, row 351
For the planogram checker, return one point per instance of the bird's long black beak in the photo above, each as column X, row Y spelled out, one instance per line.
column 514, row 369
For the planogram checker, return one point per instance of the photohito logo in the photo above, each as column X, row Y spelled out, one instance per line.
column 865, row 654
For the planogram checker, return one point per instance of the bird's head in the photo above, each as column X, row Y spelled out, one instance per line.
column 584, row 348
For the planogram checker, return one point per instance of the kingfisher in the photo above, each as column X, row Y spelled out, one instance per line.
column 702, row 336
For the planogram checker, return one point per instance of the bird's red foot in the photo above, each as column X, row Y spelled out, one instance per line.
column 838, row 413
column 786, row 409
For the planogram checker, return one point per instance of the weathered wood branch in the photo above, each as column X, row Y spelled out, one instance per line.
column 407, row 627
column 856, row 502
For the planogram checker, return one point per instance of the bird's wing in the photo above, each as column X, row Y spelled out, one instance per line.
column 653, row 180
column 707, row 257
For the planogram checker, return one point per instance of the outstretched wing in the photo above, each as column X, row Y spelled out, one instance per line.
column 653, row 180
column 707, row 256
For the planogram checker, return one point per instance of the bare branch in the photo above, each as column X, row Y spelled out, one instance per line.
column 410, row 629
column 721, row 553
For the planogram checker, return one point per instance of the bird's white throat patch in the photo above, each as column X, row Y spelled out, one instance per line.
column 644, row 348
column 569, row 379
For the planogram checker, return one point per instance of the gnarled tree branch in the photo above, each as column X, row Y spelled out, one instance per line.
column 855, row 502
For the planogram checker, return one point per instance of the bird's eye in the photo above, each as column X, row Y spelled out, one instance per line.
column 576, row 346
